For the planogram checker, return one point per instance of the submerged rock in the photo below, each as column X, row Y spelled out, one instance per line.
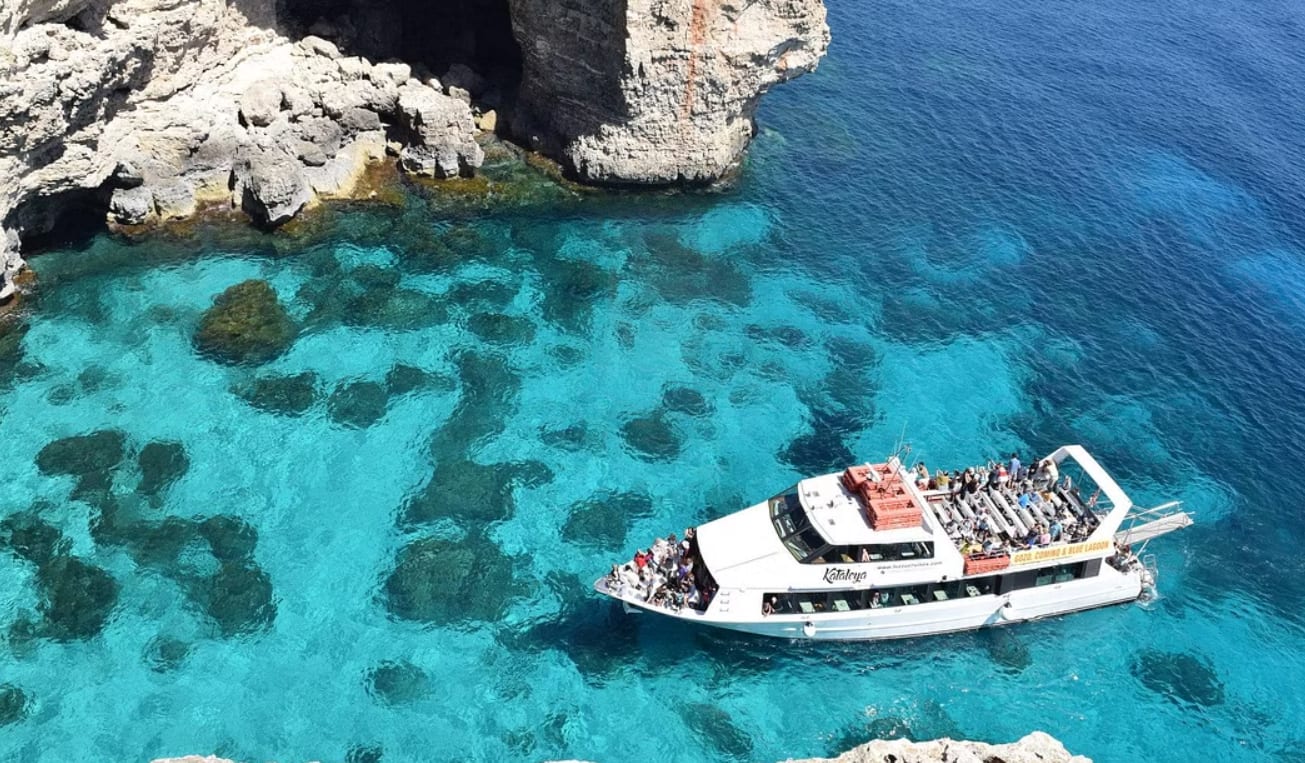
column 282, row 395
column 404, row 379
column 76, row 598
column 161, row 464
column 230, row 539
column 358, row 404
column 246, row 324
column 365, row 754
column 80, row 455
column 238, row 598
column 1182, row 677
column 502, row 329
column 685, row 400
column 715, row 728
column 13, row 704
column 398, row 682
column 444, row 581
column 165, row 654
column 467, row 490
column 603, row 520
column 651, row 438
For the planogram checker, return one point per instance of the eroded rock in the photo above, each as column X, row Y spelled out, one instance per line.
column 246, row 324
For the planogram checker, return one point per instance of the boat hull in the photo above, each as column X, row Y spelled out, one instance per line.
column 925, row 619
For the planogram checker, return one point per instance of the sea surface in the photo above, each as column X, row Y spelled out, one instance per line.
column 978, row 228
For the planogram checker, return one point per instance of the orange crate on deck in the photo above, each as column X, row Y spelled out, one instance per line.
column 980, row 565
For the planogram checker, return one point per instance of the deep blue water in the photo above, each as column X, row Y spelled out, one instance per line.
column 989, row 225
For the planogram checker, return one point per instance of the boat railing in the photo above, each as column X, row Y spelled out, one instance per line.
column 1140, row 526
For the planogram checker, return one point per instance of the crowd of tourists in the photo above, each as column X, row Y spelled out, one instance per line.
column 669, row 574
column 1000, row 507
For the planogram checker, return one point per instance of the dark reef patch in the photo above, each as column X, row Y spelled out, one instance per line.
column 567, row 438
column 498, row 328
column 1182, row 677
column 12, row 330
column 603, row 520
column 398, row 682
column 489, row 394
column 442, row 581
column 600, row 640
column 161, row 464
column 283, row 395
column 1006, row 649
column 716, row 728
column 358, row 404
column 475, row 492
column 651, row 438
column 685, row 400
column 571, row 289
column 229, row 538
column 238, row 598
column 246, row 324
column 681, row 274
column 822, row 449
column 365, row 753
column 13, row 704
column 404, row 379
column 165, row 654
column 84, row 454
column 76, row 598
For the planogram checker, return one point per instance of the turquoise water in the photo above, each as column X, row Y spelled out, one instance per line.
column 989, row 227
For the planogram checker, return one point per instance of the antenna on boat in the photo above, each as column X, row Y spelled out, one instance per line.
column 902, row 449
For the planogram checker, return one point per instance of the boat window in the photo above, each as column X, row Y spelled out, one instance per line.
column 832, row 602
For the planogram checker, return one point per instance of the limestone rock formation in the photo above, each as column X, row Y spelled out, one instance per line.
column 157, row 107
column 656, row 91
column 152, row 109
column 1037, row 747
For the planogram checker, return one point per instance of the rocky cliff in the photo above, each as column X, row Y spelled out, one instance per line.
column 148, row 109
column 656, row 91
column 1034, row 748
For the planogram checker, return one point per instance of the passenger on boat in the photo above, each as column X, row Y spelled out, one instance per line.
column 1015, row 465
column 940, row 480
column 1056, row 529
column 1048, row 473
column 768, row 606
column 922, row 476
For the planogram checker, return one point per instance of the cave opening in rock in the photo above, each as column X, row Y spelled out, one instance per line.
column 434, row 33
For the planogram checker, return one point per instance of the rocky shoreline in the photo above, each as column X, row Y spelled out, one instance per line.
column 1036, row 747
column 148, row 111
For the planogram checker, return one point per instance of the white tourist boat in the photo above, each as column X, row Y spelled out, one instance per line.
column 878, row 552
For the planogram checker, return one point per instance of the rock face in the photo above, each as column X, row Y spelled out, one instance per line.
column 656, row 91
column 151, row 109
column 1034, row 748
column 157, row 107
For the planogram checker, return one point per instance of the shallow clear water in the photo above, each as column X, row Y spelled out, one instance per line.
column 989, row 226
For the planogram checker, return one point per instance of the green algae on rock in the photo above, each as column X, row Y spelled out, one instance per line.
column 246, row 325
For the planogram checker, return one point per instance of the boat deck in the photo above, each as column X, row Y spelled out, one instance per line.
column 1003, row 519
